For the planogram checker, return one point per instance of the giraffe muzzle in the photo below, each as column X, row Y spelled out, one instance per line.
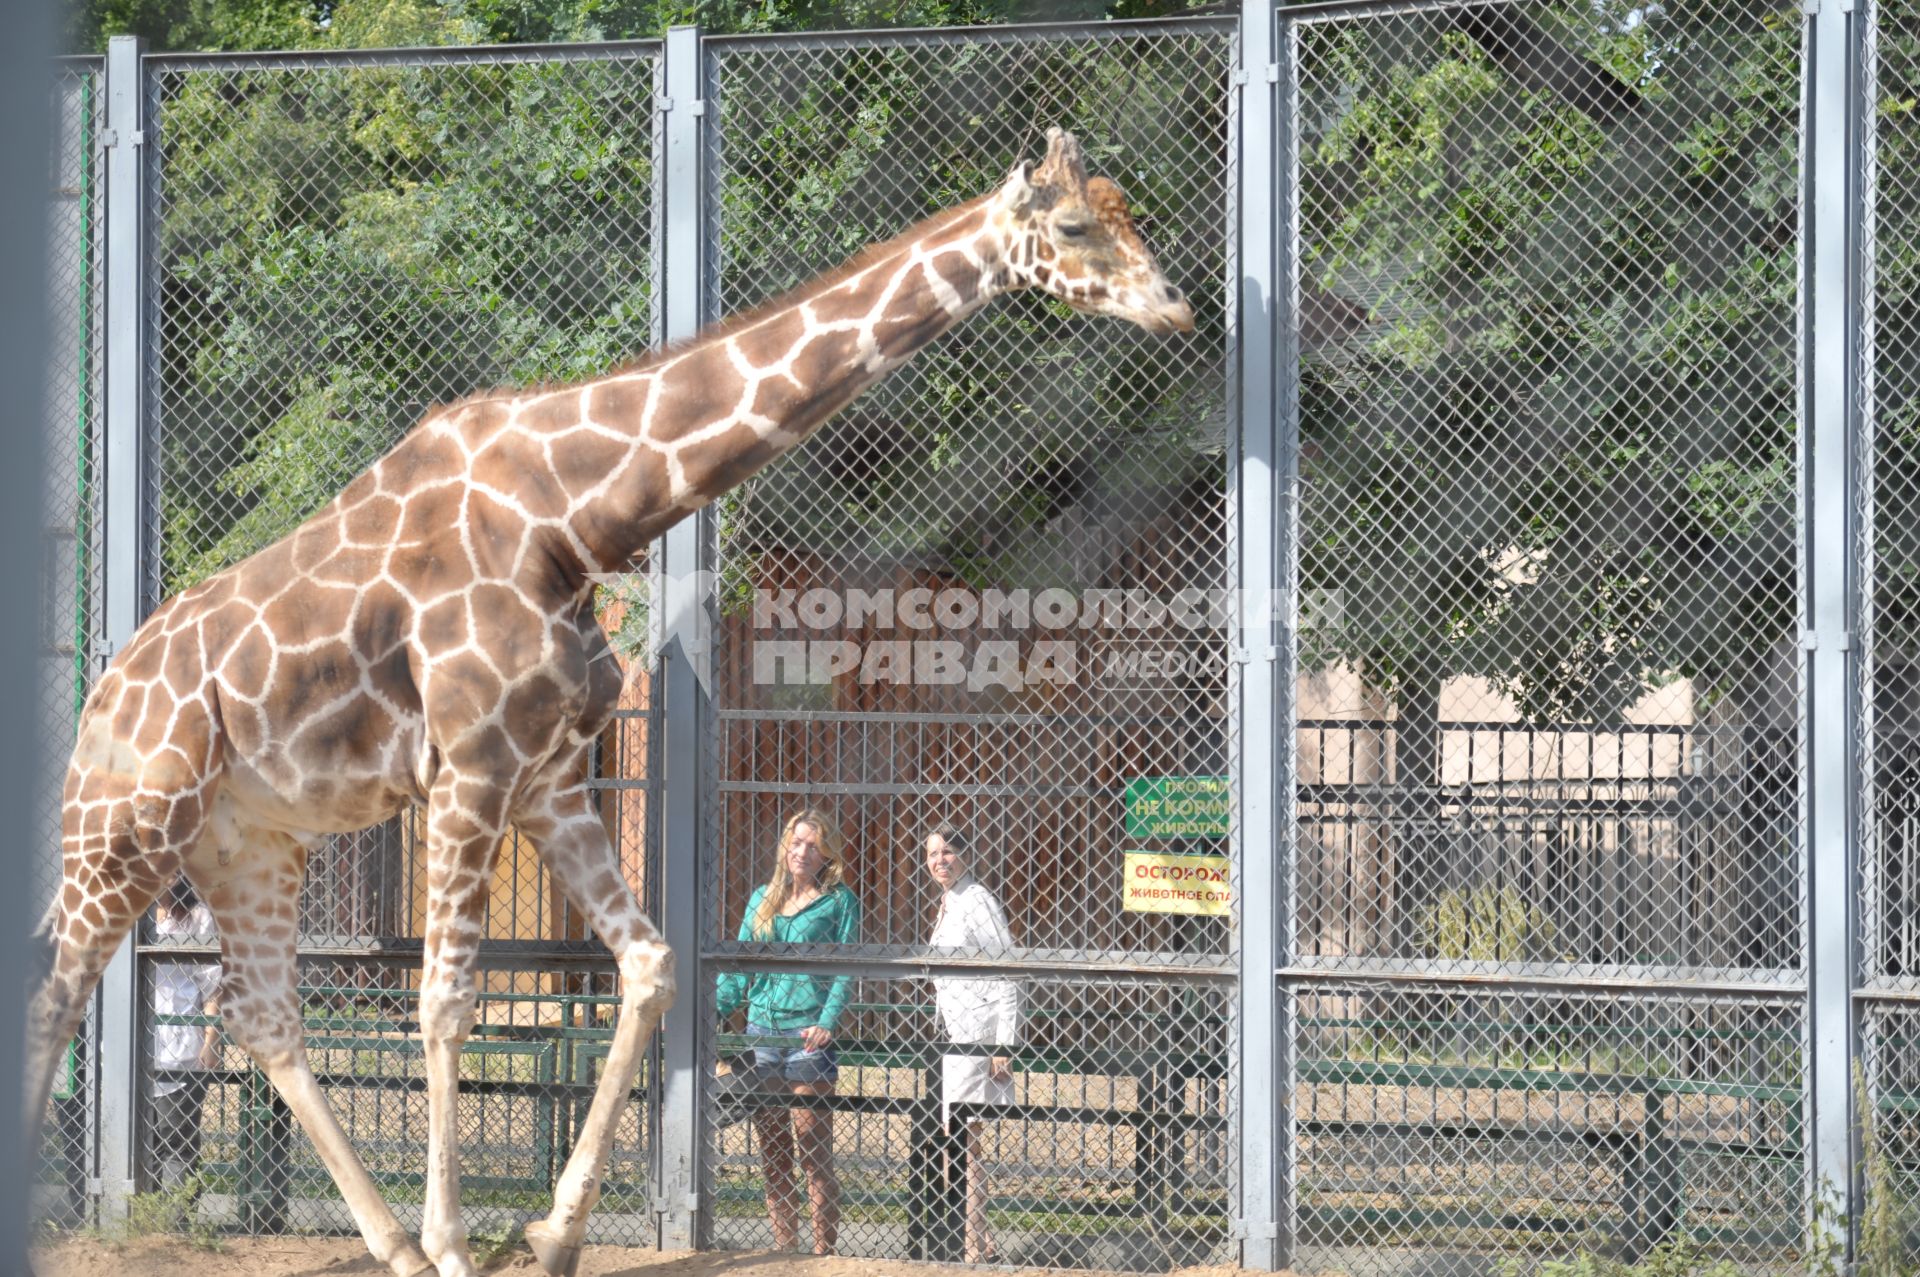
column 1168, row 316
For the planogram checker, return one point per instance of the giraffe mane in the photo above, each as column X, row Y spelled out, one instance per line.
column 860, row 261
column 866, row 257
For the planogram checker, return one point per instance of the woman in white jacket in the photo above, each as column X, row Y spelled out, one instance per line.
column 974, row 1010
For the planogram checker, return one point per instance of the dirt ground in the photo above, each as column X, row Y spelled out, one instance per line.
column 346, row 1257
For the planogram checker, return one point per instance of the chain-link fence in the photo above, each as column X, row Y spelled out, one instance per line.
column 1887, row 490
column 1540, row 836
column 1112, row 1146
column 1546, row 546
column 341, row 243
column 923, row 622
column 1455, row 1121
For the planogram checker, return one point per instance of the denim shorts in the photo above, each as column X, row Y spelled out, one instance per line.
column 789, row 1061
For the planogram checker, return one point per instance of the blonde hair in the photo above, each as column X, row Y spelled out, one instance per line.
column 780, row 885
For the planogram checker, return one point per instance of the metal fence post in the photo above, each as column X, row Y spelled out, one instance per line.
column 1831, row 397
column 27, row 357
column 266, row 1136
column 1263, row 705
column 127, row 336
column 680, row 561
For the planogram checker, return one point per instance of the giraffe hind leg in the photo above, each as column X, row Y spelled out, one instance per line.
column 59, row 1004
column 466, row 819
column 254, row 897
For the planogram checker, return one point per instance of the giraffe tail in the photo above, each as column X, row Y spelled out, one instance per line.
column 44, row 928
column 43, row 944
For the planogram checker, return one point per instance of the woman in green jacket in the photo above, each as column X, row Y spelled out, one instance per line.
column 806, row 901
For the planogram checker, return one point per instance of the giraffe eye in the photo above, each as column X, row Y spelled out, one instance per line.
column 1075, row 229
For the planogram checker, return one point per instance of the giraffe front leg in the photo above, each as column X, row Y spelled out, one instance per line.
column 459, row 874
column 574, row 843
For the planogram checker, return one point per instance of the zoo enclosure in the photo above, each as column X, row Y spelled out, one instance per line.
column 1544, row 381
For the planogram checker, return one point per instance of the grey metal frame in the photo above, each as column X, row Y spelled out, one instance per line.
column 681, row 566
column 1262, row 492
column 1830, row 240
column 1260, row 538
column 129, row 334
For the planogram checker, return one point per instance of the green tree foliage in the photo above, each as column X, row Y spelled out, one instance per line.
column 1559, row 452
column 345, row 247
column 1562, row 454
column 212, row 25
column 970, row 456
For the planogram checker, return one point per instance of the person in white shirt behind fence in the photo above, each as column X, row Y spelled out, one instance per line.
column 982, row 1010
column 187, row 1051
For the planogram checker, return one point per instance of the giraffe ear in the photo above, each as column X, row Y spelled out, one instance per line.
column 1018, row 188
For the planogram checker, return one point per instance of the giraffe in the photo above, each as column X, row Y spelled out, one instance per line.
column 428, row 638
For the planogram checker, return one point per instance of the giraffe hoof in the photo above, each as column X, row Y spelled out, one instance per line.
column 413, row 1265
column 557, row 1257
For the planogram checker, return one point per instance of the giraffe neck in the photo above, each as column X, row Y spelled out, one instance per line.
column 706, row 416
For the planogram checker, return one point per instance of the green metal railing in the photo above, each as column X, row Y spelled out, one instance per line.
column 565, row 1052
column 560, row 1084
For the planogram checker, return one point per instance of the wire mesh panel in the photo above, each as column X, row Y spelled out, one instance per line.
column 1547, row 480
column 341, row 243
column 71, row 558
column 1889, row 490
column 1466, row 1122
column 222, row 1151
column 220, row 1148
column 996, row 536
column 1888, row 493
column 988, row 596
column 1109, row 1145
column 1546, row 889
column 1548, row 716
column 1550, row 846
column 1890, row 1144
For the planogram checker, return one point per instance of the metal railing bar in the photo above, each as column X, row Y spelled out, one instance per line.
column 1009, row 33
column 1771, row 986
column 1889, row 995
column 962, row 720
column 1178, row 969
column 417, row 56
column 495, row 955
column 1324, row 10
column 881, row 789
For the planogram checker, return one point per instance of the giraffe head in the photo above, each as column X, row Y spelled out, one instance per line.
column 1072, row 236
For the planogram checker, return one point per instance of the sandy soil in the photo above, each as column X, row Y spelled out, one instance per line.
column 346, row 1257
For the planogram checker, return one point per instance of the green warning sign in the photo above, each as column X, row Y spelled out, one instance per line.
column 1179, row 807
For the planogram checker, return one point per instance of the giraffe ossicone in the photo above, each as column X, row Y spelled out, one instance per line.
column 428, row 638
